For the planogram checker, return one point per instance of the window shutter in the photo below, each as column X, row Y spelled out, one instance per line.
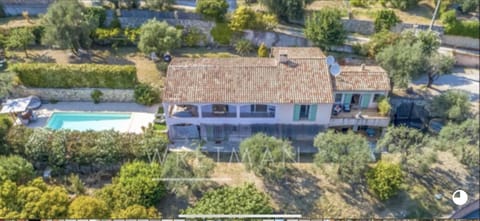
column 296, row 112
column 312, row 114
column 365, row 100
column 347, row 98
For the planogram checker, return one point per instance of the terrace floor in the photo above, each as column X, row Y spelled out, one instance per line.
column 141, row 116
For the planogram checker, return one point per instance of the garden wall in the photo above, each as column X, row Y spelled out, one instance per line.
column 275, row 39
column 466, row 59
column 461, row 42
column 366, row 27
column 79, row 94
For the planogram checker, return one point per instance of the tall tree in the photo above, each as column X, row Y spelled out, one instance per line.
column 212, row 9
column 349, row 151
column 158, row 37
column 244, row 199
column 385, row 179
column 287, row 10
column 325, row 28
column 452, row 105
column 402, row 61
column 19, row 38
column 265, row 155
column 68, row 26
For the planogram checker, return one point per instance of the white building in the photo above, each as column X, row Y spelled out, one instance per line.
column 290, row 95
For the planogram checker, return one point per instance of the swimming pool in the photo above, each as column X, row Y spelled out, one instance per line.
column 83, row 121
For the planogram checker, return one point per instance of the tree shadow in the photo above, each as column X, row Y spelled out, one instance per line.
column 42, row 58
column 296, row 192
column 98, row 58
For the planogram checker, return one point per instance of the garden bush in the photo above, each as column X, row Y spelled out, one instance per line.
column 384, row 106
column 146, row 94
column 385, row 20
column 244, row 47
column 385, row 179
column 221, row 33
column 116, row 36
column 96, row 96
column 193, row 37
column 461, row 28
column 262, row 51
column 359, row 3
column 60, row 148
column 43, row 75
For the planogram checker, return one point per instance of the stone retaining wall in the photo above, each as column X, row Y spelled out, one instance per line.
column 366, row 27
column 79, row 94
column 461, row 42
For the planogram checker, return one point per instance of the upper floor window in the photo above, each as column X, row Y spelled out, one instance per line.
column 262, row 108
column 338, row 98
column 220, row 108
column 304, row 112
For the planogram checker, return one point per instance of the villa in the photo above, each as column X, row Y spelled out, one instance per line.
column 291, row 95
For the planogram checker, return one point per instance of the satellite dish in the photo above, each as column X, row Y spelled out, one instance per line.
column 330, row 60
column 335, row 69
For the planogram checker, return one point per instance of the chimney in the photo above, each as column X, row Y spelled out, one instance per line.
column 283, row 56
column 362, row 67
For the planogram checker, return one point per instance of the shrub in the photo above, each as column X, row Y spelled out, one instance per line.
column 385, row 179
column 263, row 51
column 115, row 23
column 325, row 28
column 5, row 124
column 96, row 96
column 400, row 4
column 16, row 169
column 193, row 37
column 469, row 5
column 246, row 18
column 243, row 47
column 385, row 20
column 82, row 148
column 145, row 94
column 384, row 106
column 45, row 75
column 76, row 185
column 460, row 28
column 212, row 9
column 87, row 207
column 221, row 33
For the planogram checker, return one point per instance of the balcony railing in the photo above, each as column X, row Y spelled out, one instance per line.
column 217, row 114
column 257, row 115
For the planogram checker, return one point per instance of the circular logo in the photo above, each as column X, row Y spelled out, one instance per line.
column 460, row 197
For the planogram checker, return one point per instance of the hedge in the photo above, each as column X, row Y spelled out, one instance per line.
column 464, row 28
column 46, row 75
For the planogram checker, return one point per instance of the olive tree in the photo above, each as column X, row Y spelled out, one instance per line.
column 158, row 37
column 349, row 151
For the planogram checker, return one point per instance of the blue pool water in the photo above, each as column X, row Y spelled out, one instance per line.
column 89, row 121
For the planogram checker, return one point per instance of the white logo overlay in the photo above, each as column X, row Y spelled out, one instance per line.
column 460, row 197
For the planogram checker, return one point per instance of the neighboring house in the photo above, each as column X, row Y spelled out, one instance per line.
column 290, row 95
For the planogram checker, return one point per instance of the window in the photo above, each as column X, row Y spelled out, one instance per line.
column 304, row 111
column 338, row 98
column 220, row 108
column 258, row 108
column 378, row 97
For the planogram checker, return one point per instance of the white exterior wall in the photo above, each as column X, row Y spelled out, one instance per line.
column 283, row 115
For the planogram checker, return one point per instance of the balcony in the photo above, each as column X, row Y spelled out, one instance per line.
column 183, row 111
column 359, row 117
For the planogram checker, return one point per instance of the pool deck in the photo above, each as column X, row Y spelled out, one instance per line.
column 141, row 116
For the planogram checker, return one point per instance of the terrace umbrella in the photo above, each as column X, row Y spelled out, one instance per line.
column 13, row 106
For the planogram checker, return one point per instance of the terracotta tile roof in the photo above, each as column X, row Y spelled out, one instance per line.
column 353, row 78
column 298, row 52
column 247, row 80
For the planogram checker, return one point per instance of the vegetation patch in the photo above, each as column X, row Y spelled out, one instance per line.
column 44, row 75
